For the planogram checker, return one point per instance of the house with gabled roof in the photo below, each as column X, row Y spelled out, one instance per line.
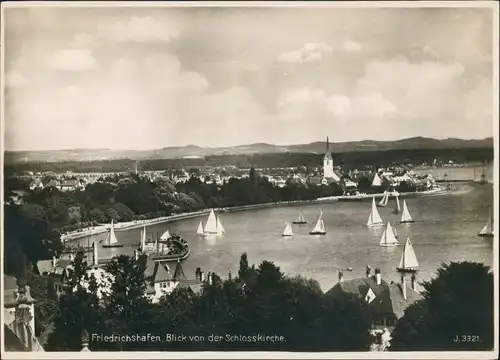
column 388, row 301
column 161, row 282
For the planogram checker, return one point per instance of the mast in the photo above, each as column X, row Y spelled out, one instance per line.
column 388, row 238
column 211, row 225
column 220, row 228
column 408, row 260
column 374, row 218
column 165, row 236
column 405, row 217
column 200, row 231
column 288, row 230
column 111, row 236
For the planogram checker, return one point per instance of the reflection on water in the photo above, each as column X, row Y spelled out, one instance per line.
column 445, row 229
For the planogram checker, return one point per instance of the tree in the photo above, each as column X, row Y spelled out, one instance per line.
column 459, row 301
column 364, row 184
column 78, row 310
column 128, row 310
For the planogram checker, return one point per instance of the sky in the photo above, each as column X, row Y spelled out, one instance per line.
column 147, row 78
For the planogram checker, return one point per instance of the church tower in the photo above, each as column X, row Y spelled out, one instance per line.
column 328, row 163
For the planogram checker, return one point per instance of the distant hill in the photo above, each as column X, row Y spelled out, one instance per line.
column 415, row 143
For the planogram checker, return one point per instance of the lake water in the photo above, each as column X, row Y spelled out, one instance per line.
column 445, row 229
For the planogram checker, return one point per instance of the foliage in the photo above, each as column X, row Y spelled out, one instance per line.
column 459, row 301
column 264, row 302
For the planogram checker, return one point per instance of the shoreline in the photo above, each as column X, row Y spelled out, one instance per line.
column 68, row 237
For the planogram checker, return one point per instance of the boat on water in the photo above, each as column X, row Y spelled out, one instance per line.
column 111, row 240
column 408, row 262
column 213, row 225
column 200, row 230
column 288, row 230
column 405, row 216
column 397, row 209
column 165, row 236
column 385, row 199
column 488, row 229
column 388, row 238
column 301, row 219
column 374, row 219
column 319, row 229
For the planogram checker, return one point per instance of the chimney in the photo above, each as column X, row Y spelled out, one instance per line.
column 404, row 286
column 413, row 282
column 378, row 276
column 202, row 276
column 229, row 275
column 96, row 258
column 341, row 277
column 197, row 273
column 368, row 271
column 209, row 278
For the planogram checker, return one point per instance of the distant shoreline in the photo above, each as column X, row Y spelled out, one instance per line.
column 68, row 237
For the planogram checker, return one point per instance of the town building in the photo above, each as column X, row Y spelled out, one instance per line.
column 387, row 299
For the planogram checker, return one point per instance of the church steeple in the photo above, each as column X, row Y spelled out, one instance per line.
column 327, row 145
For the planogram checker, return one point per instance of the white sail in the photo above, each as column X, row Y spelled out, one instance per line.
column 406, row 217
column 318, row 227
column 374, row 218
column 200, row 230
column 220, row 228
column 111, row 240
column 211, row 225
column 382, row 202
column 165, row 236
column 288, row 230
column 488, row 228
column 301, row 218
column 398, row 207
column 388, row 238
column 323, row 226
column 408, row 257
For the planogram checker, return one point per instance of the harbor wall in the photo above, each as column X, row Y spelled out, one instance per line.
column 166, row 219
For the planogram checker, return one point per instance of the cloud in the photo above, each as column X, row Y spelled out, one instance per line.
column 138, row 30
column 311, row 52
column 81, row 40
column 351, row 45
column 15, row 79
column 302, row 103
column 73, row 60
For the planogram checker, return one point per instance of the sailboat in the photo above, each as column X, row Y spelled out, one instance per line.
column 288, row 230
column 408, row 262
column 406, row 217
column 165, row 236
column 220, row 228
column 200, row 230
column 388, row 238
column 385, row 199
column 488, row 229
column 397, row 210
column 111, row 241
column 301, row 219
column 374, row 219
column 213, row 225
column 319, row 229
